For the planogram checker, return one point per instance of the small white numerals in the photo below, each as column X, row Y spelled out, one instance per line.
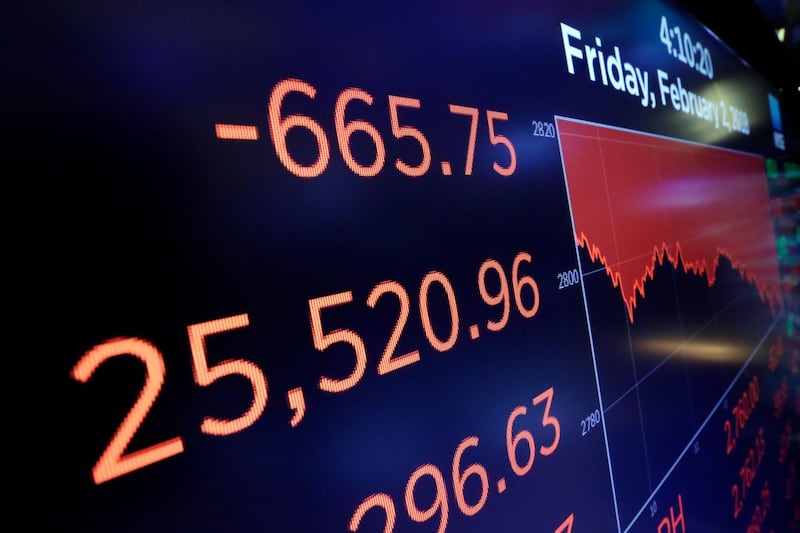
column 568, row 278
column 590, row 422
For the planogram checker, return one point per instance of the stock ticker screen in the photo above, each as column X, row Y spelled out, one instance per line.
column 411, row 267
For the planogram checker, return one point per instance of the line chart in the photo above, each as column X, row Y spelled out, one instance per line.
column 639, row 199
column 676, row 250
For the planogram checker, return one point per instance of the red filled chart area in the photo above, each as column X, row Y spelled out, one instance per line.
column 638, row 200
column 680, row 278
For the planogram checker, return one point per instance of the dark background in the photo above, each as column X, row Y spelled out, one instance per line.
column 749, row 28
column 121, row 208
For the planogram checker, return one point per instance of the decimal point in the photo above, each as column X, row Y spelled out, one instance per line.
column 501, row 485
column 474, row 332
column 446, row 170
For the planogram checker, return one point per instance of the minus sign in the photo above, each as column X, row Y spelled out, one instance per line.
column 236, row 132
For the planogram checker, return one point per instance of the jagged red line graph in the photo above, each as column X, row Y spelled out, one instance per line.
column 638, row 200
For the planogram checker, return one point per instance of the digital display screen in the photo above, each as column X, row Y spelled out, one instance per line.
column 410, row 267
